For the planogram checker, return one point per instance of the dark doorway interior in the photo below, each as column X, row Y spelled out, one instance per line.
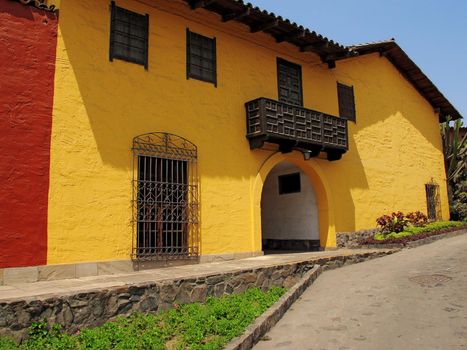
column 289, row 212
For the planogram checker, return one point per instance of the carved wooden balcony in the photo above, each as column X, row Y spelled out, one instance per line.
column 295, row 127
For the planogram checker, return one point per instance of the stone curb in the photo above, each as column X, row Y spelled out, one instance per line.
column 266, row 321
column 414, row 244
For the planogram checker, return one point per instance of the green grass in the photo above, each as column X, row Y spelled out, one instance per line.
column 196, row 326
column 412, row 230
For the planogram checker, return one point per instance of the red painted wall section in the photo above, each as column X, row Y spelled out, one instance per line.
column 28, row 40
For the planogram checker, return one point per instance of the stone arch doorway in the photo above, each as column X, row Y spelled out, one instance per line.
column 289, row 211
column 316, row 176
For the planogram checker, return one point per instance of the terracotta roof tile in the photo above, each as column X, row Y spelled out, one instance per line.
column 40, row 4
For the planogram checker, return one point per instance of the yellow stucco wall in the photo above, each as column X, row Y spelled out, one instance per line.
column 99, row 106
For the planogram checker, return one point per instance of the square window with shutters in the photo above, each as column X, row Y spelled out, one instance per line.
column 129, row 35
column 289, row 77
column 201, row 57
column 346, row 99
column 289, row 183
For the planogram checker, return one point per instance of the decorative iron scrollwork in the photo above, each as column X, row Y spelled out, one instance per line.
column 165, row 198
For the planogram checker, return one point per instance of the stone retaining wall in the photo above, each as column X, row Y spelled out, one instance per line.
column 352, row 239
column 94, row 307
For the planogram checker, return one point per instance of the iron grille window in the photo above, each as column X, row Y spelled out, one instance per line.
column 346, row 99
column 129, row 35
column 289, row 76
column 289, row 183
column 433, row 201
column 201, row 57
column 165, row 197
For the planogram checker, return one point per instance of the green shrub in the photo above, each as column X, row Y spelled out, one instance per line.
column 396, row 222
column 195, row 326
column 41, row 336
column 459, row 201
column 413, row 230
column 7, row 344
column 417, row 218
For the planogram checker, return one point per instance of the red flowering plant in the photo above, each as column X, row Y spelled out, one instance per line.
column 396, row 222
column 417, row 218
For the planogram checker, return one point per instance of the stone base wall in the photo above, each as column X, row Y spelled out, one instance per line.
column 94, row 307
column 352, row 239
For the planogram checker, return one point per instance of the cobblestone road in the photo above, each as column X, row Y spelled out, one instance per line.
column 415, row 299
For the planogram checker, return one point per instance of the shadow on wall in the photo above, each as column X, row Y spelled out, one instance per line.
column 109, row 103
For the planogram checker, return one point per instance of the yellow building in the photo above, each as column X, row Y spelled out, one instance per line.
column 149, row 159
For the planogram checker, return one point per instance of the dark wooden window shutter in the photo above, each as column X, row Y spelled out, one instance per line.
column 201, row 61
column 346, row 99
column 289, row 77
column 129, row 35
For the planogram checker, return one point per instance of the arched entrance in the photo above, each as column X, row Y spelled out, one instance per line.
column 310, row 173
column 289, row 211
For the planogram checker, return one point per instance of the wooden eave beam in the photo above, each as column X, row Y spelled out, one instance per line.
column 331, row 59
column 236, row 15
column 289, row 37
column 383, row 53
column 314, row 46
column 264, row 26
column 195, row 4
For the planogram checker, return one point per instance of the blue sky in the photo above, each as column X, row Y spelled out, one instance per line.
column 432, row 32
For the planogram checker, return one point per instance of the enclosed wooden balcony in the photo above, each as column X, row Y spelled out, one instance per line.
column 295, row 127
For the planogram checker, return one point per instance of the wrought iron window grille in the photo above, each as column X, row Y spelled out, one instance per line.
column 165, row 198
column 433, row 201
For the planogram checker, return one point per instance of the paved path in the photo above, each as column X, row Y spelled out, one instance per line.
column 35, row 290
column 376, row 305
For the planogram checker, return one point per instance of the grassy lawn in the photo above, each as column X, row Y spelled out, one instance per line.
column 190, row 326
column 412, row 230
